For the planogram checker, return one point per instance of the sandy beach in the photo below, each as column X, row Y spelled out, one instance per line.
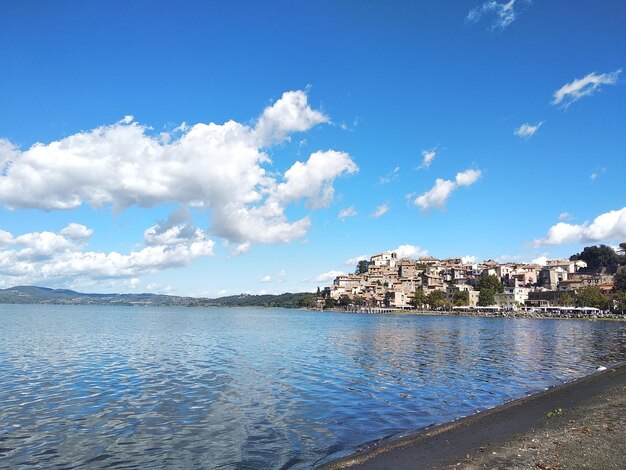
column 580, row 424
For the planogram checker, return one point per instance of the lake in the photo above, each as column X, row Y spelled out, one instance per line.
column 144, row 387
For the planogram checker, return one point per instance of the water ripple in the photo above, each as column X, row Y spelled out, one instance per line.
column 103, row 387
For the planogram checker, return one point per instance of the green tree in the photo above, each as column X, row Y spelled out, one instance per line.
column 597, row 257
column 420, row 298
column 361, row 267
column 619, row 280
column 436, row 299
column 461, row 298
column 620, row 299
column 344, row 300
column 591, row 296
column 490, row 281
column 486, row 297
column 566, row 300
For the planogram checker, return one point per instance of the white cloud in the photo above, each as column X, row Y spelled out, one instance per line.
column 313, row 179
column 347, row 212
column 389, row 177
column 242, row 248
column 410, row 251
column 222, row 292
column 467, row 177
column 468, row 259
column 438, row 195
column 324, row 277
column 504, row 13
column 155, row 288
column 527, row 130
column 427, row 157
column 540, row 260
column 565, row 216
column 354, row 261
column 380, row 211
column 291, row 113
column 586, row 86
column 280, row 277
column 218, row 167
column 606, row 227
column 593, row 176
column 43, row 256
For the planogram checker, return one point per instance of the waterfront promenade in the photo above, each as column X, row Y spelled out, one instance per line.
column 581, row 424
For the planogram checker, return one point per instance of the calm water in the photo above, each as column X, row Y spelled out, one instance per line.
column 243, row 388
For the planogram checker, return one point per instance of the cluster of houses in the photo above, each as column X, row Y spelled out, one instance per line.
column 386, row 281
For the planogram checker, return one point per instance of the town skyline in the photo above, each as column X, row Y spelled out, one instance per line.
column 146, row 147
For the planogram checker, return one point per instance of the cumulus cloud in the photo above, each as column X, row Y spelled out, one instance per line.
column 45, row 256
column 468, row 259
column 346, row 213
column 267, row 278
column 565, row 216
column 328, row 276
column 503, row 13
column 218, row 167
column 527, row 130
column 606, row 227
column 586, row 86
column 354, row 261
column 410, row 251
column 313, row 179
column 380, row 211
column 438, row 195
column 540, row 260
column 427, row 157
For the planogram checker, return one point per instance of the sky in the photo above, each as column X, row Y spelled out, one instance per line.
column 216, row 148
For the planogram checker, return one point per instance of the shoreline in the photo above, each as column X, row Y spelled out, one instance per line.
column 506, row 314
column 569, row 425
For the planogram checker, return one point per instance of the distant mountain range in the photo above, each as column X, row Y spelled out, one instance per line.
column 44, row 295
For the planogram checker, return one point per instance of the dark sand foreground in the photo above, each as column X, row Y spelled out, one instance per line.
column 581, row 424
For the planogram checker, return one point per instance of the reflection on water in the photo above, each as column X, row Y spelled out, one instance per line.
column 244, row 388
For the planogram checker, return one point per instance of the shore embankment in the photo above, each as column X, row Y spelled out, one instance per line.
column 580, row 424
column 539, row 314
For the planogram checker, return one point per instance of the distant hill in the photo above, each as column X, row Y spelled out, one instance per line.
column 45, row 295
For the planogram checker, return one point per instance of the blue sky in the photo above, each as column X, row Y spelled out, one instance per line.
column 340, row 129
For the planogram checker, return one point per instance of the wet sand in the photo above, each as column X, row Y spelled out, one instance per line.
column 581, row 424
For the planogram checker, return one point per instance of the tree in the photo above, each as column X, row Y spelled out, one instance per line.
column 344, row 300
column 361, row 267
column 597, row 257
column 619, row 280
column 591, row 296
column 622, row 257
column 420, row 298
column 486, row 297
column 566, row 300
column 490, row 281
column 461, row 298
column 620, row 300
column 436, row 299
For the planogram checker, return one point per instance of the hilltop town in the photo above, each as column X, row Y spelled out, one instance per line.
column 385, row 281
